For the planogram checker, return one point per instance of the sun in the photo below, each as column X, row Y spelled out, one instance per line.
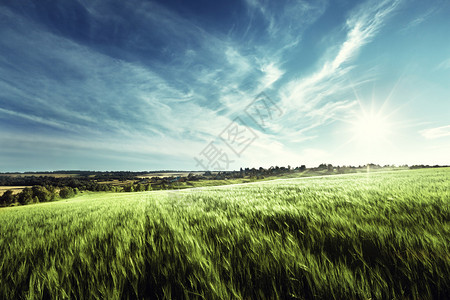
column 370, row 136
column 371, row 128
column 371, row 131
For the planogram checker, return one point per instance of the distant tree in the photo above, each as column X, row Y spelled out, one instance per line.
column 128, row 188
column 139, row 188
column 7, row 198
column 66, row 192
column 26, row 196
column 42, row 194
column 322, row 167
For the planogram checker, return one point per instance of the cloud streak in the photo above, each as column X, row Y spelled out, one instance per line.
column 435, row 133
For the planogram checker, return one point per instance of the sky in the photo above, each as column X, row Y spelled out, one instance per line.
column 219, row 85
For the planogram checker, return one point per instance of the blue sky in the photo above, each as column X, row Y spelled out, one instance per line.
column 152, row 85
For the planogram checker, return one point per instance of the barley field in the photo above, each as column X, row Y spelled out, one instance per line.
column 359, row 236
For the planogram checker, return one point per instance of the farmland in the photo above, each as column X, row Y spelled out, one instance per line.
column 14, row 189
column 382, row 235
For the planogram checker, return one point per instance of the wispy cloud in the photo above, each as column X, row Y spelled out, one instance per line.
column 434, row 133
column 332, row 110
column 302, row 97
column 361, row 27
column 445, row 65
column 287, row 19
column 87, row 85
column 421, row 18
column 271, row 74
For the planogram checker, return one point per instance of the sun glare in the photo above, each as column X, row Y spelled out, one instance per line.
column 371, row 128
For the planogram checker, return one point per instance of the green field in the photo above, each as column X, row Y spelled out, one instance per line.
column 357, row 236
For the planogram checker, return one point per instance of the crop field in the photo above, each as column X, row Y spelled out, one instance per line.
column 14, row 189
column 383, row 235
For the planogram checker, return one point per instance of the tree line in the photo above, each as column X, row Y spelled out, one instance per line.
column 37, row 194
